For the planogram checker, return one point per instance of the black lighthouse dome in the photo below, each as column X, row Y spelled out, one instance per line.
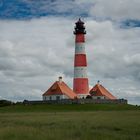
column 79, row 28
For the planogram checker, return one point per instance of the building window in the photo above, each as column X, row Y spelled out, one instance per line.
column 57, row 97
column 50, row 97
column 98, row 97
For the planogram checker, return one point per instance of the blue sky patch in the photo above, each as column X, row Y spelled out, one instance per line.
column 27, row 9
column 131, row 23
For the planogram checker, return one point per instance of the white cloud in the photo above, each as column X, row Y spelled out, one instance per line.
column 34, row 53
column 117, row 10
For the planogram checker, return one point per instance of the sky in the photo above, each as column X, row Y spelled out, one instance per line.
column 37, row 46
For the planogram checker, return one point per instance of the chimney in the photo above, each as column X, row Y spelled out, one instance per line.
column 60, row 79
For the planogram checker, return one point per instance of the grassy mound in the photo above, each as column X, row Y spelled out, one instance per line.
column 67, row 108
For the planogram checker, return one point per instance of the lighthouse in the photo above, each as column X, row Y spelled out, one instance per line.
column 80, row 81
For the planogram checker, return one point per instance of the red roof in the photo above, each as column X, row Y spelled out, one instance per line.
column 60, row 88
column 99, row 90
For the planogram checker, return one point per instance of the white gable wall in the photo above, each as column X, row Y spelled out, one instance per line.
column 98, row 97
column 55, row 97
column 82, row 95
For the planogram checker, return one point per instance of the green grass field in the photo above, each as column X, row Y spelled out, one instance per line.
column 70, row 122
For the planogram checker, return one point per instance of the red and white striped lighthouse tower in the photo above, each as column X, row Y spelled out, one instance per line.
column 80, row 81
